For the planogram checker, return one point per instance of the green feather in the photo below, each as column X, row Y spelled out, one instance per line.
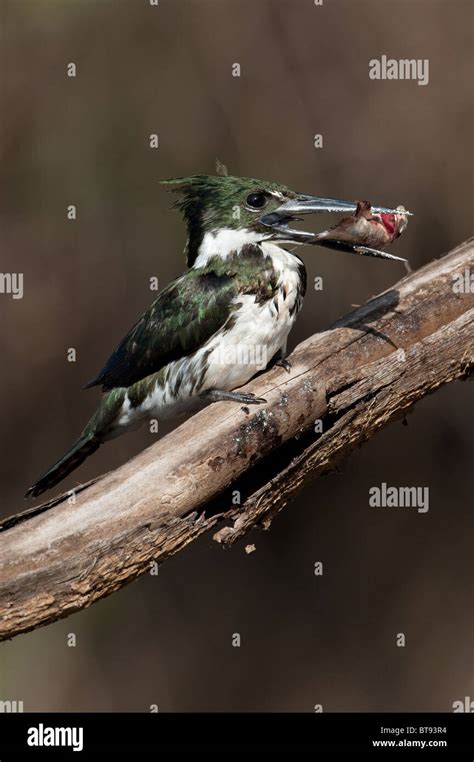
column 213, row 202
column 186, row 314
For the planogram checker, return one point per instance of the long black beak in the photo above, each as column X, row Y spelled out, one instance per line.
column 279, row 218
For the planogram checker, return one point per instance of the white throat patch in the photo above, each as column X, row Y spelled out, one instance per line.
column 221, row 243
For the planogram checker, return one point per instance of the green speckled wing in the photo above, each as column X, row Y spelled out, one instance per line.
column 183, row 317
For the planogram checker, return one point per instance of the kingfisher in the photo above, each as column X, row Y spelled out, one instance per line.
column 229, row 315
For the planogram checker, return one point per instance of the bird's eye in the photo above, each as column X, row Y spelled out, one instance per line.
column 256, row 200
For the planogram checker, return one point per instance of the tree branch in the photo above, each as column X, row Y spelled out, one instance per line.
column 370, row 368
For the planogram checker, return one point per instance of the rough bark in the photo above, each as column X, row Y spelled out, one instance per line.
column 368, row 369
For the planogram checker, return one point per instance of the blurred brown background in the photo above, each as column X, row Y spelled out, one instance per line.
column 306, row 640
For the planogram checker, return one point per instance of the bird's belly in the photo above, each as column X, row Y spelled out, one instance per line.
column 227, row 361
column 237, row 354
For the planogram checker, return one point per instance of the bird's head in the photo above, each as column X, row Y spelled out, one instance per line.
column 211, row 204
column 241, row 210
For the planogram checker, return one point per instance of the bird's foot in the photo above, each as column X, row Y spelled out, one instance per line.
column 218, row 395
column 284, row 363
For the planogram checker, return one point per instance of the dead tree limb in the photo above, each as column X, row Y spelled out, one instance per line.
column 370, row 368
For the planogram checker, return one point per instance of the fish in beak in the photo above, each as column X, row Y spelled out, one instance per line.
column 366, row 229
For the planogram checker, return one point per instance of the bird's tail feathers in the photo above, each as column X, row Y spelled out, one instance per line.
column 80, row 450
column 99, row 428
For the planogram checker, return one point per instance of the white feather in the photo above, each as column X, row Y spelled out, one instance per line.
column 260, row 330
column 224, row 241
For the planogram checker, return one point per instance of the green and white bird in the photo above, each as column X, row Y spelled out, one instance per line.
column 213, row 328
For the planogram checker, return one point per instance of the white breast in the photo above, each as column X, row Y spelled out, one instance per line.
column 260, row 330
column 231, row 357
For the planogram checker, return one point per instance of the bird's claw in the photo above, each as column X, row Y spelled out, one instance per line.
column 220, row 395
column 284, row 363
column 251, row 399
